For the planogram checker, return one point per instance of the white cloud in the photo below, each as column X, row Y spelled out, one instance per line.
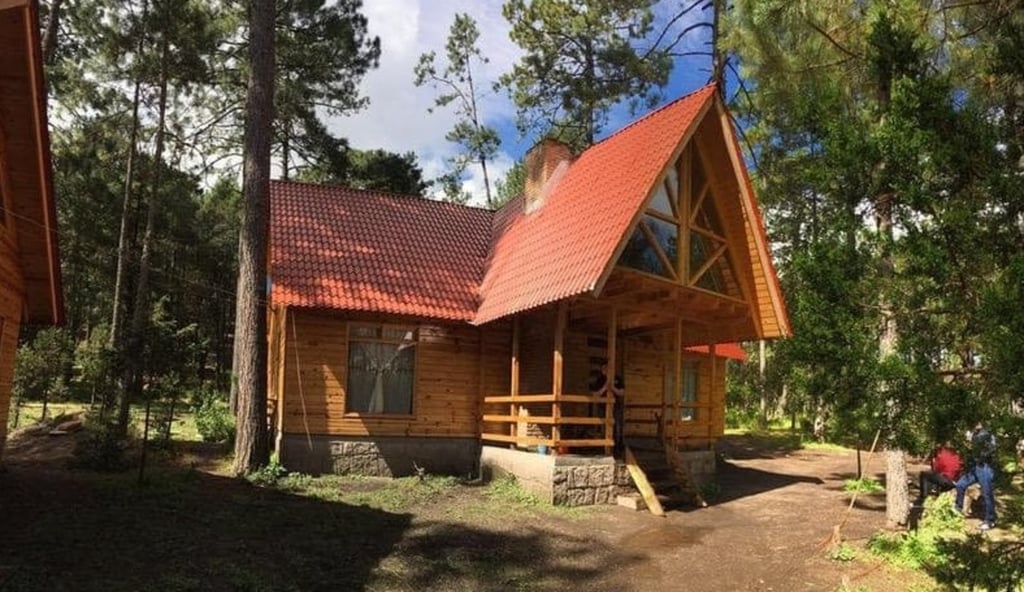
column 397, row 118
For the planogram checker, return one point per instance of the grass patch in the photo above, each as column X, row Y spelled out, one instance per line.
column 863, row 485
column 505, row 493
column 382, row 493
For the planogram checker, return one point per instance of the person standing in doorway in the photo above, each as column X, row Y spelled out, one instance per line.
column 602, row 387
column 982, row 472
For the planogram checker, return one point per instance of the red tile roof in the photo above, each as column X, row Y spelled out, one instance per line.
column 336, row 247
column 341, row 248
column 562, row 249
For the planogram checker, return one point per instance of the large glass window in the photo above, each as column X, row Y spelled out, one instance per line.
column 655, row 245
column 381, row 368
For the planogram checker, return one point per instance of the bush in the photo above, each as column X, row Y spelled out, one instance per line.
column 268, row 475
column 213, row 419
column 922, row 548
column 100, row 448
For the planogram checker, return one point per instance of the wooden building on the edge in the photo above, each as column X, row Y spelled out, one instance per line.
column 405, row 330
column 30, row 288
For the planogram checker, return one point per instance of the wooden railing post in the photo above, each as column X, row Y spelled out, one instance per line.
column 556, row 378
column 514, row 383
column 711, row 390
column 609, row 406
column 677, row 383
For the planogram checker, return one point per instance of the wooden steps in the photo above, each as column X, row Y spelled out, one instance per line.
column 660, row 481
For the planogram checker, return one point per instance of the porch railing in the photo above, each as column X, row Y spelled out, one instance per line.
column 551, row 420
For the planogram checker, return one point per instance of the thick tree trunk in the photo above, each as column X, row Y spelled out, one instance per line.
column 897, row 494
column 252, row 446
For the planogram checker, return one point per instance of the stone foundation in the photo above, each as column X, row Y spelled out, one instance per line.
column 700, row 464
column 380, row 457
column 567, row 480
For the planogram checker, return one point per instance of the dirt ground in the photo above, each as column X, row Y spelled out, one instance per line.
column 194, row 530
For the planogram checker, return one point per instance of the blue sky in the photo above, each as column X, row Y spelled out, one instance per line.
column 397, row 118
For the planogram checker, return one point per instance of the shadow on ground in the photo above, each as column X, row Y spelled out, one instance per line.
column 754, row 445
column 189, row 530
column 737, row 482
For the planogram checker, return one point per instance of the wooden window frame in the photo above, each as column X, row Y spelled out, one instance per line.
column 382, row 327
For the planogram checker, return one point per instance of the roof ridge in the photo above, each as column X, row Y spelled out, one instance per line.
column 650, row 114
column 380, row 192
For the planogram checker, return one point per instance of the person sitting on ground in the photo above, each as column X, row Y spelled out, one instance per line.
column 946, row 465
column 982, row 472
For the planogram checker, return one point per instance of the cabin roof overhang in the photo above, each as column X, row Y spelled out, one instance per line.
column 30, row 179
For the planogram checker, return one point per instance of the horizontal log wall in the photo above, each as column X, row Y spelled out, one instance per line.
column 646, row 362
column 447, row 379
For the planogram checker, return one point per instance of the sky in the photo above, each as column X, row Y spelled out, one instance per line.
column 397, row 118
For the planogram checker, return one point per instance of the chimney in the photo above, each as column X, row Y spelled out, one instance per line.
column 542, row 167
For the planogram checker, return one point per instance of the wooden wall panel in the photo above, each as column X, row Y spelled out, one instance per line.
column 447, row 379
column 11, row 307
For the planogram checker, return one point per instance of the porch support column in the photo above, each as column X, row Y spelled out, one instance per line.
column 609, row 407
column 677, row 385
column 556, row 377
column 712, row 391
column 514, row 382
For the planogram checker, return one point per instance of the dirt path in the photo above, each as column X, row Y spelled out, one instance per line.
column 65, row 530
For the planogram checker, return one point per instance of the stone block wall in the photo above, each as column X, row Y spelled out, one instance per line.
column 379, row 457
column 583, row 483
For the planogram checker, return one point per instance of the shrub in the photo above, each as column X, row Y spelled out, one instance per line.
column 268, row 475
column 100, row 448
column 920, row 548
column 213, row 419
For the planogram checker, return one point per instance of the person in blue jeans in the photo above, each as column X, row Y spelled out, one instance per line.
column 983, row 452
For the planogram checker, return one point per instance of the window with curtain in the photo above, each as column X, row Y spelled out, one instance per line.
column 381, row 368
column 687, row 394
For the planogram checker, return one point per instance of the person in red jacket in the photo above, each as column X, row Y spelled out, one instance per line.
column 946, row 466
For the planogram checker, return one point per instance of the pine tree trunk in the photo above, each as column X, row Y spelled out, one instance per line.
column 140, row 314
column 897, row 494
column 116, row 339
column 252, row 446
column 50, row 36
column 762, row 395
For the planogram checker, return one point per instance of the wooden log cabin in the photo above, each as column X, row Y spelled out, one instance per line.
column 408, row 333
column 30, row 288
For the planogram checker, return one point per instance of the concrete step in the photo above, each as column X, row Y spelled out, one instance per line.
column 633, row 501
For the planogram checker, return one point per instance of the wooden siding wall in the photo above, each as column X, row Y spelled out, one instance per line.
column 746, row 258
column 11, row 290
column 646, row 361
column 447, row 378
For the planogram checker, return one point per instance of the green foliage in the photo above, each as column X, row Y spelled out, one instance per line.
column 269, row 474
column 100, row 447
column 925, row 546
column 580, row 59
column 213, row 418
column 43, row 367
column 323, row 49
column 511, row 186
column 507, row 490
column 843, row 552
column 862, row 485
column 458, row 85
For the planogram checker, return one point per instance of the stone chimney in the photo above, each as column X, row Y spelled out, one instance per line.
column 547, row 160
